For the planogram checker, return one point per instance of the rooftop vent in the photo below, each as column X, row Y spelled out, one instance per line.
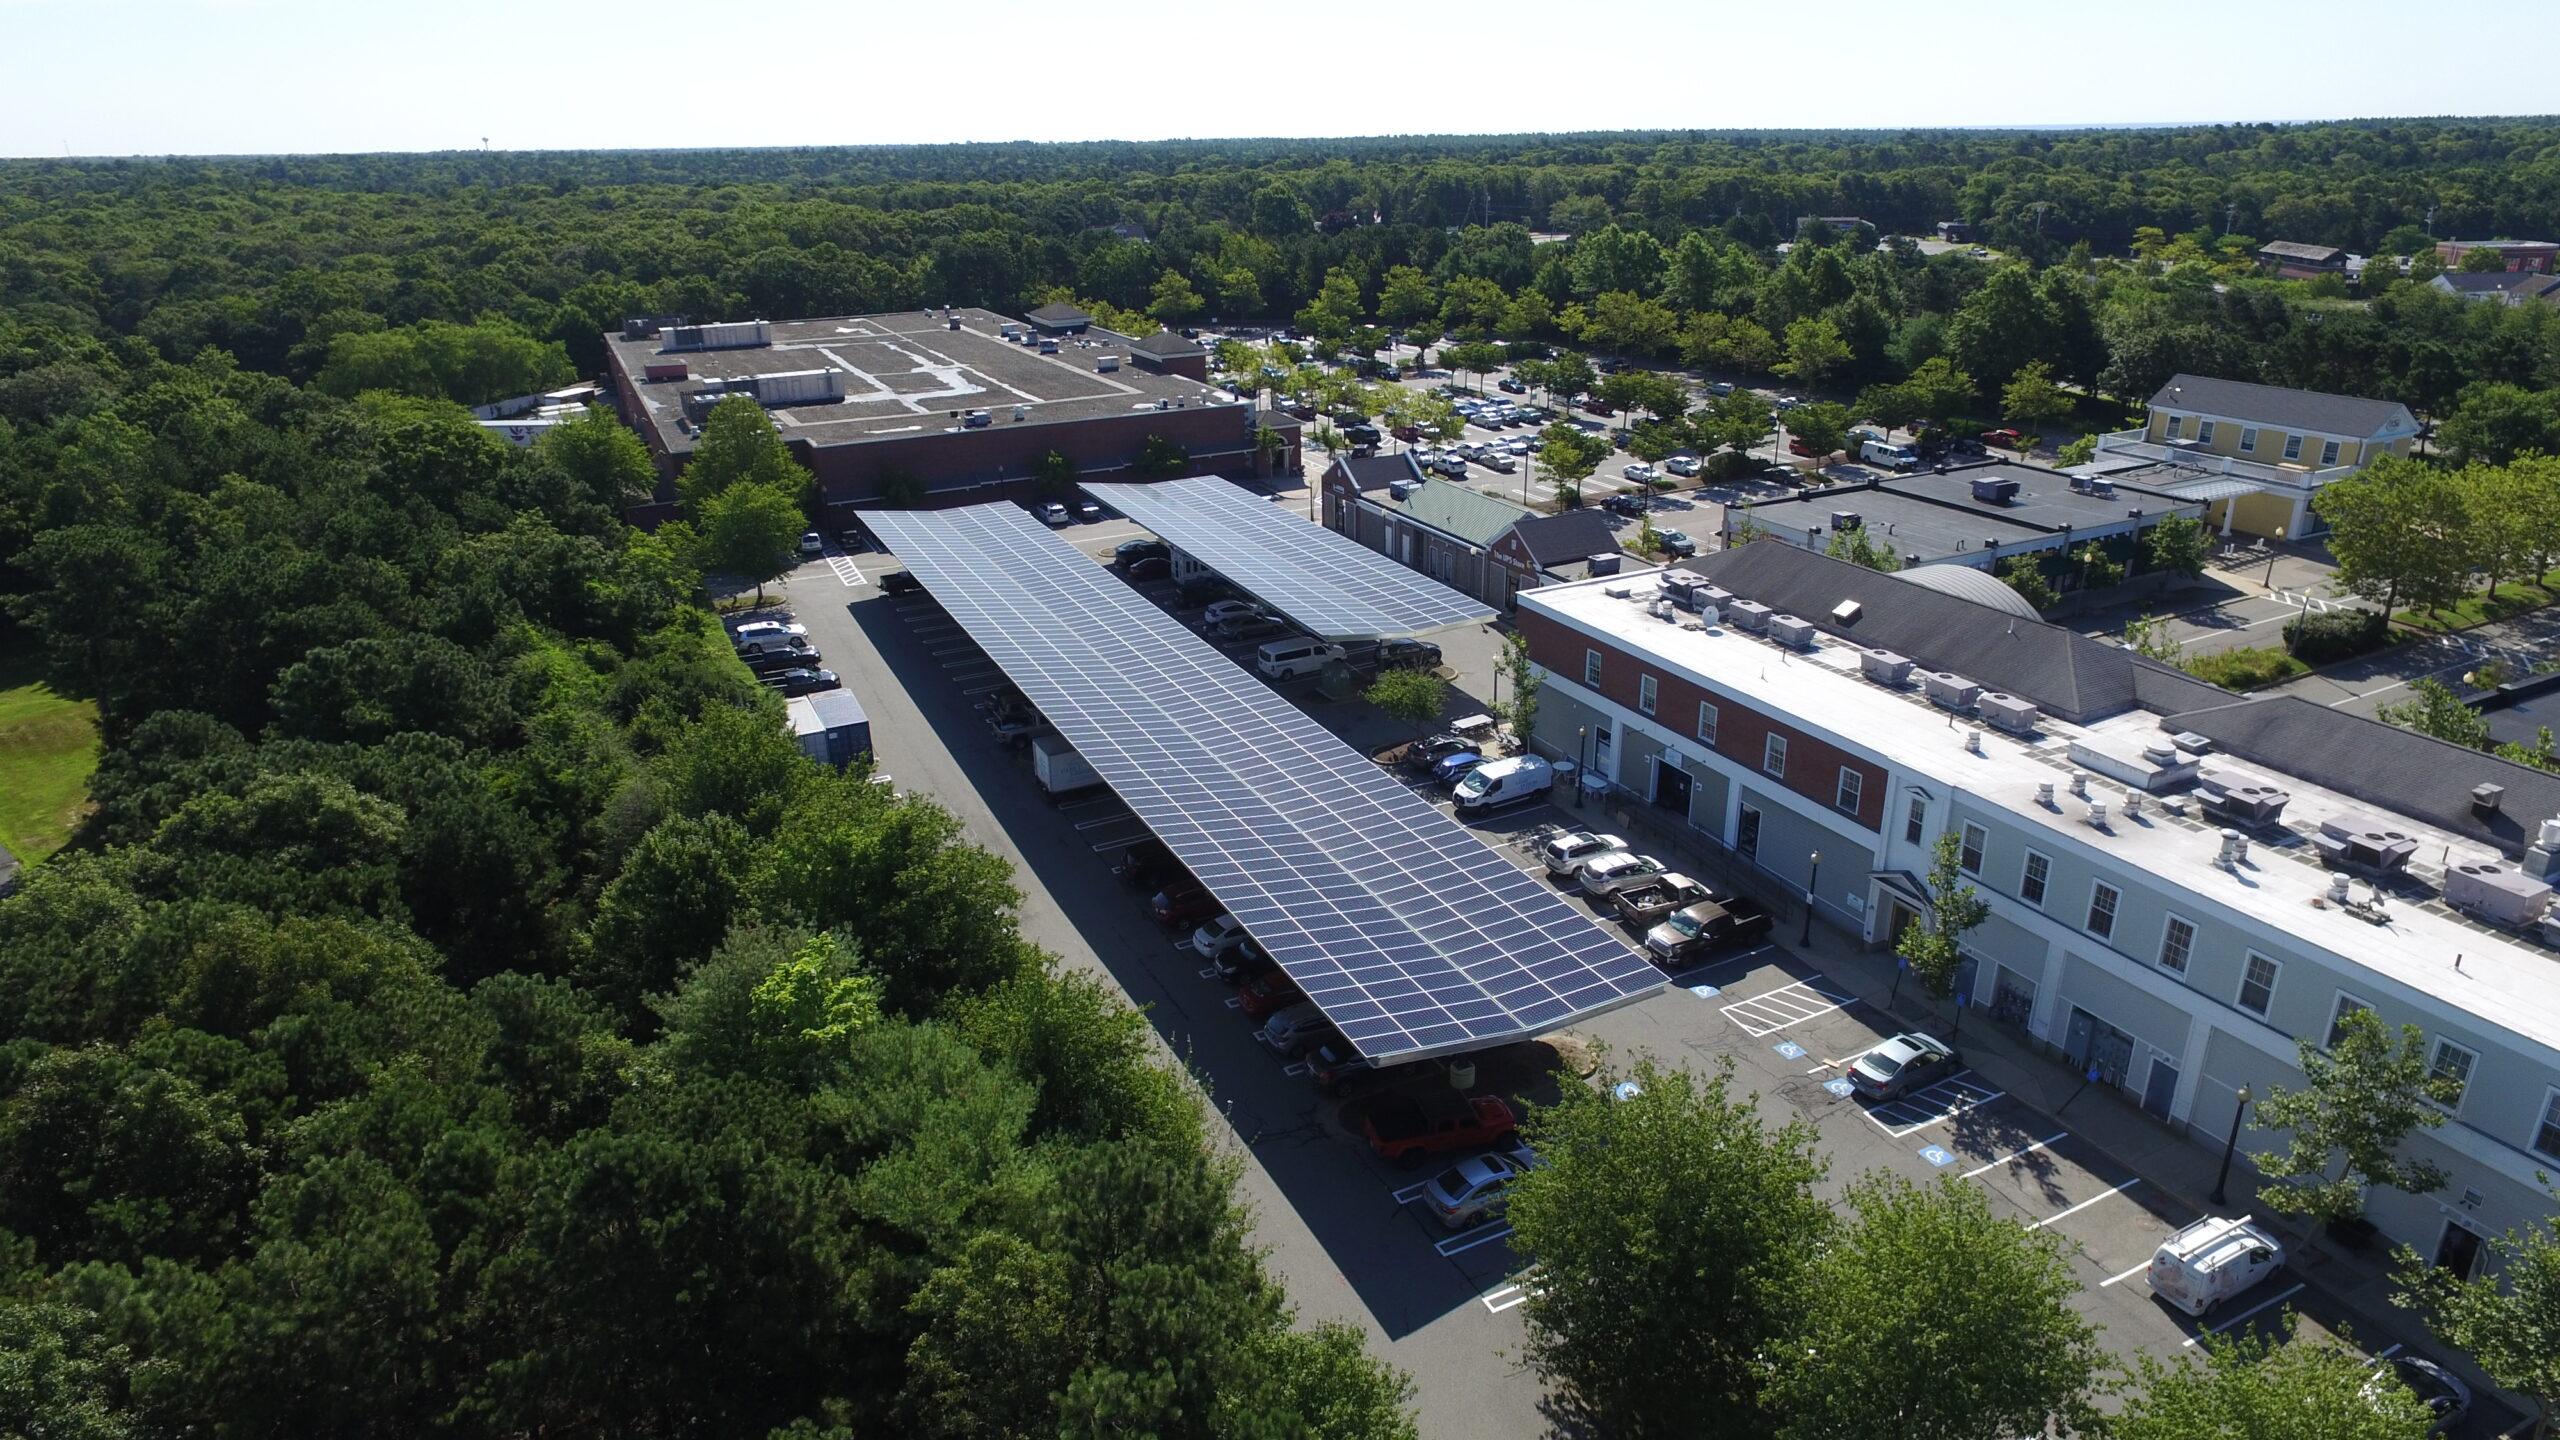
column 2010, row 713
column 2044, row 793
column 1846, row 612
column 1399, row 489
column 1884, row 667
column 2361, row 845
column 2097, row 814
column 1792, row 631
column 2246, row 799
column 2192, row 743
column 1846, row 520
column 2235, row 850
column 1950, row 689
column 2486, row 798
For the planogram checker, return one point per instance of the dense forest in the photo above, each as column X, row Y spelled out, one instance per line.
column 464, row 1011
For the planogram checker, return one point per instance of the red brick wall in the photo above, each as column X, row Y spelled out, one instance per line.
column 1813, row 765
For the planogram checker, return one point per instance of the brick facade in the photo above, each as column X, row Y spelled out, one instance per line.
column 1813, row 765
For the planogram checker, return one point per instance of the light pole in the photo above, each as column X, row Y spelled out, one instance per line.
column 2229, row 1145
column 1581, row 761
column 1812, row 884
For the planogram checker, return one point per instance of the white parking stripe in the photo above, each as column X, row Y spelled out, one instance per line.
column 1460, row 1243
column 2083, row 1205
column 2387, row 1354
column 2129, row 1274
column 2012, row 1155
column 1788, row 1005
column 846, row 572
column 2243, row 1315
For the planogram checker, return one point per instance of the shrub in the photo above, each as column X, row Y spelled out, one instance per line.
column 2336, row 635
column 2245, row 669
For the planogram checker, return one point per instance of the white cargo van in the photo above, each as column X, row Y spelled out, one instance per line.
column 2212, row 1260
column 1889, row 455
column 1297, row 655
column 1497, row 783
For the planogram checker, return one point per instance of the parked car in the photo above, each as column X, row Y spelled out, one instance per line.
column 1408, row 655
column 1901, row 1065
column 1501, row 462
column 1509, row 386
column 1422, row 754
column 1719, row 387
column 1451, row 768
column 2210, row 1261
column 1566, row 853
column 1596, row 406
column 1342, row 1072
column 1056, row 514
column 1408, row 1124
column 1268, row 994
column 1245, row 961
column 900, row 582
column 1474, row 1189
column 759, row 635
column 2447, row 1399
column 1676, row 543
column 1148, row 865
column 1186, row 902
column 1640, row 905
column 2006, row 439
column 1694, row 932
column 1683, row 466
column 1225, row 610
column 1218, row 937
column 1088, row 512
column 1129, row 552
column 1152, row 567
column 1641, row 473
column 1626, row 502
column 1603, row 875
column 852, row 541
column 812, row 543
column 1250, row 627
column 1197, row 590
column 801, row 681
column 799, row 655
column 1796, row 446
column 1298, row 1027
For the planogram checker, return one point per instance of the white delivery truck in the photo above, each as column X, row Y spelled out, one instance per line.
column 2212, row 1260
column 1499, row 783
column 1060, row 769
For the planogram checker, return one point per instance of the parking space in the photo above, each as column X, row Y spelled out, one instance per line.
column 1784, row 1008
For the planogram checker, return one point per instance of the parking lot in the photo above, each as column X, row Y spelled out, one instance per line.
column 1351, row 1235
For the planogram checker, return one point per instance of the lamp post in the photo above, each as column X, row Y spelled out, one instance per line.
column 2229, row 1145
column 1812, row 883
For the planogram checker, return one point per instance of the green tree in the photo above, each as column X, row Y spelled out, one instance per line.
column 2483, row 262
column 1823, row 426
column 1715, row 341
column 2031, row 398
column 2076, row 452
column 2149, row 636
column 752, row 531
column 1569, row 456
column 738, row 445
column 1928, row 1316
column 1673, row 1231
column 2360, row 1096
column 2400, row 532
column 1471, row 307
column 1054, row 474
column 2025, row 574
column 1159, row 457
column 1474, row 357
column 2258, row 1387
column 1520, row 675
column 1336, row 309
column 2506, row 1319
column 1933, row 945
column 1406, row 297
column 1732, row 422
column 2177, row 545
column 2433, row 709
column 602, row 458
column 1409, row 697
column 1857, row 547
column 1173, row 300
column 1938, row 389
column 1814, row 350
column 2495, row 421
column 2004, row 327
column 1630, row 324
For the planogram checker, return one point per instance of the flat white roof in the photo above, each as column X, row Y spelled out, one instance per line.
column 2509, row 984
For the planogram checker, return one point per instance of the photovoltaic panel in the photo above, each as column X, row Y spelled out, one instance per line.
column 1413, row 935
column 1330, row 584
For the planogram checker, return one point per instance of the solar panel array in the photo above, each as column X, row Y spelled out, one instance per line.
column 1330, row 584
column 1413, row 936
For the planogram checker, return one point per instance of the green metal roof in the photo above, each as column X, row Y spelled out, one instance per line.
column 1475, row 518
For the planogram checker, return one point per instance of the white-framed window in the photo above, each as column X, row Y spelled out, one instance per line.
column 2258, row 984
column 2204, row 432
column 2103, row 900
column 1591, row 668
column 1706, row 722
column 1969, row 850
column 2177, row 945
column 2328, row 453
column 2033, row 878
column 1646, row 689
column 2177, row 426
column 2248, row 439
column 1915, row 822
column 1773, row 755
column 2546, row 1136
column 2347, row 1005
column 1852, row 786
column 2293, row 447
column 2455, row 1063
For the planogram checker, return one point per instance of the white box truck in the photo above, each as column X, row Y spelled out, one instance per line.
column 1060, row 769
column 2212, row 1260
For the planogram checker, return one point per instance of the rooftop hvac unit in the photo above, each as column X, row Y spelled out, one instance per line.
column 666, row 370
column 2233, row 796
column 1792, row 631
column 2361, row 845
column 952, row 322
column 799, row 387
column 1995, row 492
column 1951, row 690
column 723, row 335
column 1884, row 667
column 2010, row 713
column 1749, row 615
column 1846, row 520
column 1605, row 564
column 2500, row 894
column 1400, row 489
column 1683, row 586
column 1106, row 363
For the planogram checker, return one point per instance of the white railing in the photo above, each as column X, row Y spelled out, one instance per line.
column 2134, row 444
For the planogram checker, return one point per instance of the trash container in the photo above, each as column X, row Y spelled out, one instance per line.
column 1462, row 1074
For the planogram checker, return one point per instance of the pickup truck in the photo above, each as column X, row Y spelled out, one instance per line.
column 1409, row 1124
column 1641, row 904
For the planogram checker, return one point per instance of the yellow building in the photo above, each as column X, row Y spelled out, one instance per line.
column 2254, row 454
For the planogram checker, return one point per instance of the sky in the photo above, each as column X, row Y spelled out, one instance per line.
column 157, row 77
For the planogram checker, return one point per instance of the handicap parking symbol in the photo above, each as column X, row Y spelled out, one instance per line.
column 1789, row 1050
column 1705, row 992
column 1937, row 1155
column 1839, row 1087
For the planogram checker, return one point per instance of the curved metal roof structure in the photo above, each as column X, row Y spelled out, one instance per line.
column 1966, row 583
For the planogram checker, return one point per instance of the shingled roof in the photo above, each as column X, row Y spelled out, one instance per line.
column 1165, row 345
column 2282, row 409
column 1565, row 538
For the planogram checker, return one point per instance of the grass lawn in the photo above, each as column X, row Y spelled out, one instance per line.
column 48, row 746
column 2513, row 598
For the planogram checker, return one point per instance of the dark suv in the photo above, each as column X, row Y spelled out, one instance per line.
column 1130, row 552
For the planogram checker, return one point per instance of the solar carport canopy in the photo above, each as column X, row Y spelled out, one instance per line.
column 1332, row 586
column 1413, row 936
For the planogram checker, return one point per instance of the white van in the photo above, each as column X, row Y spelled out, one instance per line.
column 1295, row 656
column 1497, row 783
column 2212, row 1260
column 1889, row 455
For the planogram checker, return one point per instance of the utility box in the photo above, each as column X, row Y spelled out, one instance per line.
column 1061, row 771
column 830, row 727
column 1951, row 690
